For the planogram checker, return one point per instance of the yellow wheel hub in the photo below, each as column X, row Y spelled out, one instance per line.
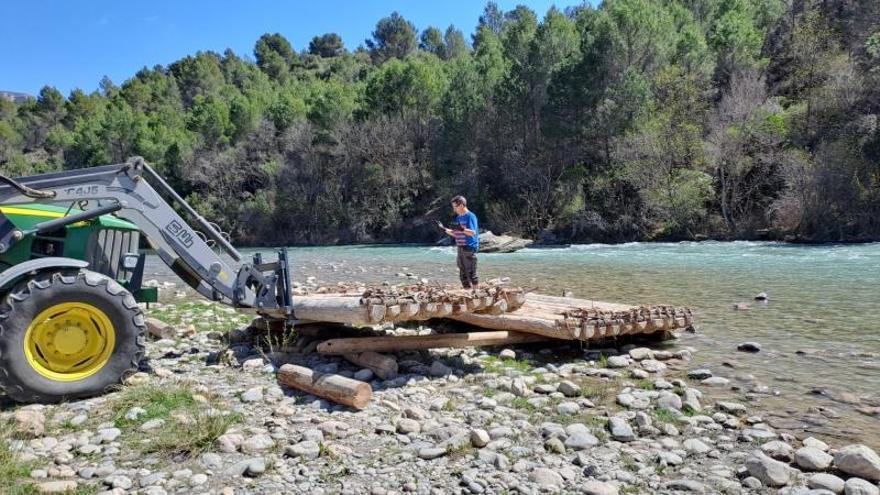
column 69, row 341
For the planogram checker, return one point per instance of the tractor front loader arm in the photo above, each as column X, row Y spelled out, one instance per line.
column 130, row 190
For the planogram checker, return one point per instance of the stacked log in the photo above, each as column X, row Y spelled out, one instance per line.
column 412, row 303
column 579, row 319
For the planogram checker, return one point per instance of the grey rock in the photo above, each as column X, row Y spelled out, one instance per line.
column 152, row 424
column 211, row 461
column 732, row 408
column 715, row 381
column 109, row 434
column 581, row 441
column 229, row 442
column 653, row 366
column 812, row 459
column 429, row 453
column 640, row 353
column 618, row 362
column 439, row 369
column 546, row 477
column 769, row 471
column 858, row 460
column 699, row 374
column 198, row 479
column 695, row 446
column 308, row 450
column 752, row 483
column 479, row 438
column 669, row 400
column 826, row 481
column 257, row 443
column 778, row 450
column 364, row 375
column 569, row 389
column 122, row 482
column 815, row 443
column 254, row 394
column 407, row 426
column 749, row 347
column 598, row 488
column 568, row 408
column 685, row 485
column 669, row 458
column 507, row 354
column 620, row 430
column 858, row 486
column 691, row 401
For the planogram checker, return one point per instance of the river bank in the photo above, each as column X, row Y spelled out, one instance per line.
column 207, row 416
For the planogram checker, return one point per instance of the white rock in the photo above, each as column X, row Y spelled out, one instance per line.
column 598, row 488
column 812, row 459
column 546, row 477
column 858, row 486
column 816, row 444
column 825, row 481
column 769, row 471
column 618, row 362
column 640, row 353
column 858, row 460
column 507, row 354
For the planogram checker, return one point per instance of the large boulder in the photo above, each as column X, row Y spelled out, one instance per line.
column 858, row 460
column 491, row 243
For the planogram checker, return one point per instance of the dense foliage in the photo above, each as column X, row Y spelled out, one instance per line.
column 638, row 119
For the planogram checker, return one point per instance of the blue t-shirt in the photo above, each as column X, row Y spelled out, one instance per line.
column 468, row 221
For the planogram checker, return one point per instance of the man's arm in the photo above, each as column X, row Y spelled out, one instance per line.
column 470, row 229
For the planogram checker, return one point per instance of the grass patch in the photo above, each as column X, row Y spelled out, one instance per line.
column 523, row 404
column 602, row 362
column 665, row 415
column 494, row 364
column 14, row 475
column 190, row 427
column 645, row 384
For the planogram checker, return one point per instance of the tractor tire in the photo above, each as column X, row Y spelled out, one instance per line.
column 67, row 335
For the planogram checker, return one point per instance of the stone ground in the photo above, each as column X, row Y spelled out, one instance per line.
column 205, row 416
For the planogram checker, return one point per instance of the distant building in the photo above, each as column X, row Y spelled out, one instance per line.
column 15, row 97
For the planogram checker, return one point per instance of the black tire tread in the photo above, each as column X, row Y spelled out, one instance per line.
column 47, row 280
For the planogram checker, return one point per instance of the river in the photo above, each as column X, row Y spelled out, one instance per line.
column 818, row 331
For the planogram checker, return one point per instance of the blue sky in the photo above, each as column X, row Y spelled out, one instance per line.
column 73, row 44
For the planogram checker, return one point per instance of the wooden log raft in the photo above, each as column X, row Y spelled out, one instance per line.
column 337, row 388
column 580, row 319
column 376, row 306
column 391, row 344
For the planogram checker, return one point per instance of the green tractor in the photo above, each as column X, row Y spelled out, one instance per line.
column 70, row 332
column 71, row 276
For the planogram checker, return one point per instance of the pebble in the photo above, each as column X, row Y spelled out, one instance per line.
column 479, row 438
column 507, row 354
column 749, row 347
column 254, row 394
column 715, row 381
column 430, row 453
column 581, row 441
column 407, row 426
column 569, row 389
column 308, row 449
column 699, row 374
column 568, row 408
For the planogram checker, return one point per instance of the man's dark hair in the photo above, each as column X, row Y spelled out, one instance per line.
column 459, row 200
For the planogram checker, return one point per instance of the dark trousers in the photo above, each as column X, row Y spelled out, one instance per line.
column 467, row 267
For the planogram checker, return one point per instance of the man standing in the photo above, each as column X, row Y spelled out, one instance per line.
column 467, row 239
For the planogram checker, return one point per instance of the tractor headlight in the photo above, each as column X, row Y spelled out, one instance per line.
column 130, row 261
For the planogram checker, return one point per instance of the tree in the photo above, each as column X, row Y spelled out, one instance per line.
column 394, row 37
column 454, row 43
column 274, row 56
column 327, row 45
column 431, row 41
column 492, row 18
